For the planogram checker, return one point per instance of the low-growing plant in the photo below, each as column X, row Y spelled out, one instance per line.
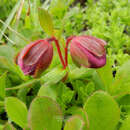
column 71, row 68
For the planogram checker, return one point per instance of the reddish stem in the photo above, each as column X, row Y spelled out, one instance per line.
column 58, row 49
column 66, row 50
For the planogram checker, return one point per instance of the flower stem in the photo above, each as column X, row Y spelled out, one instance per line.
column 66, row 50
column 59, row 50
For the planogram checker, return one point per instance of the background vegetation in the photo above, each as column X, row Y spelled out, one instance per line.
column 89, row 99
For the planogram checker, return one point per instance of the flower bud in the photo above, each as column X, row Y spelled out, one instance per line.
column 35, row 57
column 88, row 51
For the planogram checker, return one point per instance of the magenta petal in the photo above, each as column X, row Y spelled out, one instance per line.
column 91, row 44
column 95, row 61
column 35, row 53
column 26, row 68
column 88, row 51
column 78, row 56
column 35, row 57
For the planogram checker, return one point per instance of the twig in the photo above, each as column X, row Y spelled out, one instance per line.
column 29, row 8
column 19, row 12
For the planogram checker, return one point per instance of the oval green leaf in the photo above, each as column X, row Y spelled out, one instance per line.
column 74, row 123
column 47, row 91
column 46, row 21
column 44, row 114
column 16, row 111
column 53, row 77
column 121, row 84
column 82, row 113
column 103, row 112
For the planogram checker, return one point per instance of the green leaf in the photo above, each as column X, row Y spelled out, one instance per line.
column 103, row 112
column 58, row 8
column 124, row 103
column 8, row 126
column 22, row 93
column 1, row 127
column 16, row 111
column 47, row 91
column 80, row 73
column 82, row 113
column 45, row 114
column 1, row 103
column 121, row 85
column 126, row 124
column 53, row 76
column 5, row 64
column 98, row 82
column 83, row 90
column 58, row 92
column 74, row 123
column 7, row 52
column 64, row 95
column 46, row 21
column 2, row 86
column 105, row 74
column 27, row 128
column 125, row 100
column 6, row 58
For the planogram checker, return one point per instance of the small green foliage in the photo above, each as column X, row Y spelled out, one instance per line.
column 46, row 21
column 64, row 95
column 44, row 113
column 80, row 73
column 83, row 91
column 89, row 99
column 17, row 113
column 82, row 113
column 2, row 86
column 8, row 126
column 54, row 76
column 105, row 74
column 48, row 91
column 126, row 124
column 121, row 84
column 102, row 111
column 74, row 123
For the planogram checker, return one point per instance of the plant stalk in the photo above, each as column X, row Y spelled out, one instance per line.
column 66, row 50
column 58, row 49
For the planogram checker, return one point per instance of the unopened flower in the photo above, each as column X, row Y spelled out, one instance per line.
column 35, row 57
column 88, row 51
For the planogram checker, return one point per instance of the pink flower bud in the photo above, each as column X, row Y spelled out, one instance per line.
column 88, row 51
column 35, row 57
